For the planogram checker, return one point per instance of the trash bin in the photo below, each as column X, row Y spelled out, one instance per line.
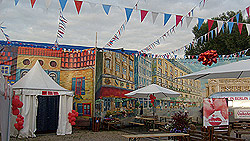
column 96, row 124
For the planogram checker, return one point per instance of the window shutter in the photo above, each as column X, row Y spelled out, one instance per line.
column 83, row 86
column 79, row 109
column 73, row 84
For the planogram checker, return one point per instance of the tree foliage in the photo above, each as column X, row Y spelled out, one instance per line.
column 225, row 43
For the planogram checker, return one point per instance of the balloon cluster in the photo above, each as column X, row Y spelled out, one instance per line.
column 20, row 121
column 16, row 103
column 152, row 98
column 208, row 58
column 72, row 117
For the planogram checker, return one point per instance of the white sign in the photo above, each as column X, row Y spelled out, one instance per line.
column 242, row 113
column 237, row 98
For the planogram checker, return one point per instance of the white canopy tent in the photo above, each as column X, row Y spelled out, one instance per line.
column 239, row 69
column 5, row 108
column 32, row 85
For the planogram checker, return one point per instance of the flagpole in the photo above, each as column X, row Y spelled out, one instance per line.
column 96, row 39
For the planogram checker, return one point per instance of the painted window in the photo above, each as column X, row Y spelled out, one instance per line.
column 130, row 73
column 5, row 70
column 53, row 63
column 155, row 80
column 53, row 76
column 124, row 59
column 155, row 61
column 117, row 55
column 181, row 74
column 166, row 66
column 176, row 72
column 41, row 62
column 160, row 71
column 160, row 81
column 171, row 69
column 86, row 109
column 159, row 61
column 23, row 73
column 150, row 73
column 107, row 63
column 144, row 71
column 124, row 71
column 117, row 67
column 26, row 61
column 130, row 62
column 78, row 85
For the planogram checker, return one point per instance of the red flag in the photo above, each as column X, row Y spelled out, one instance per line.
column 240, row 27
column 78, row 5
column 178, row 19
column 247, row 11
column 32, row 2
column 232, row 19
column 143, row 14
column 210, row 24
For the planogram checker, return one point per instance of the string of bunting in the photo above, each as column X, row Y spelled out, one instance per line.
column 215, row 32
column 61, row 29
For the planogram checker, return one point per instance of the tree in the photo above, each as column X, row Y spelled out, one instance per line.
column 225, row 43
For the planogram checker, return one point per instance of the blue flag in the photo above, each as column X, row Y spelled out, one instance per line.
column 16, row 1
column 106, row 8
column 230, row 26
column 166, row 18
column 222, row 27
column 63, row 3
column 128, row 13
column 212, row 34
column 237, row 17
column 200, row 21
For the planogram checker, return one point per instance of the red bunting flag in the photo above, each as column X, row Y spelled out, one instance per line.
column 32, row 2
column 143, row 14
column 78, row 5
column 232, row 19
column 247, row 9
column 240, row 27
column 210, row 24
column 178, row 19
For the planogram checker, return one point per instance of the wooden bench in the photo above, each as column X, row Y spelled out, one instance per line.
column 195, row 135
column 217, row 137
column 241, row 128
column 221, row 129
column 139, row 136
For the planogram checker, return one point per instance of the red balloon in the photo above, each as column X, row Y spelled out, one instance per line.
column 69, row 114
column 73, row 115
column 16, row 97
column 73, row 123
column 69, row 117
column 20, row 123
column 18, row 119
column 73, row 111
column 19, row 116
column 14, row 108
column 16, row 125
column 14, row 102
column 21, row 127
column 76, row 114
column 15, row 112
column 20, row 104
column 73, row 119
column 22, row 117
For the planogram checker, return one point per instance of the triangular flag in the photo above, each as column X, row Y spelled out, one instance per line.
column 230, row 26
column 128, row 13
column 188, row 20
column 32, row 3
column 248, row 28
column 154, row 16
column 232, row 19
column 47, row 2
column 247, row 9
column 200, row 21
column 223, row 27
column 240, row 27
column 210, row 24
column 178, row 19
column 106, row 8
column 92, row 5
column 237, row 17
column 63, row 3
column 16, row 1
column 220, row 23
column 143, row 14
column 166, row 18
column 78, row 5
column 212, row 34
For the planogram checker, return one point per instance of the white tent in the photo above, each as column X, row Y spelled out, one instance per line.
column 33, row 84
column 5, row 108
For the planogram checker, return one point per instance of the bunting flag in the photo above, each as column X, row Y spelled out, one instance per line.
column 230, row 26
column 32, row 3
column 223, row 27
column 47, row 3
column 237, row 17
column 5, row 35
column 178, row 19
column 106, row 8
column 62, row 26
column 128, row 12
column 210, row 24
column 154, row 16
column 232, row 19
column 16, row 1
column 248, row 28
column 143, row 14
column 166, row 18
column 247, row 9
column 212, row 34
column 78, row 5
column 92, row 5
column 188, row 20
column 200, row 21
column 63, row 3
column 220, row 23
column 240, row 27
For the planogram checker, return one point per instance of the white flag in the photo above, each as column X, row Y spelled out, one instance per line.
column 220, row 23
column 248, row 28
column 154, row 16
column 92, row 5
column 188, row 20
column 47, row 2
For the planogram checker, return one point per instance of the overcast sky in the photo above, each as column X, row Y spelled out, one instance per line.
column 39, row 24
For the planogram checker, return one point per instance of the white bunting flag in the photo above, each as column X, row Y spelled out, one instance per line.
column 248, row 28
column 47, row 3
column 154, row 16
column 220, row 23
column 188, row 20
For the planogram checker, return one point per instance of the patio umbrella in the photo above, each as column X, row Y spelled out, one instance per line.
column 156, row 90
column 237, row 70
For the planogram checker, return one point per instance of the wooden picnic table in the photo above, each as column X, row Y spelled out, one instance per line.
column 139, row 136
